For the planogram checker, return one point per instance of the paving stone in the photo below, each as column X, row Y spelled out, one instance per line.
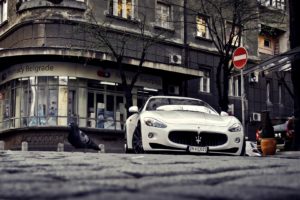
column 77, row 175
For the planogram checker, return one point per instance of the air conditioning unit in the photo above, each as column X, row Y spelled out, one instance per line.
column 175, row 59
column 256, row 117
column 253, row 77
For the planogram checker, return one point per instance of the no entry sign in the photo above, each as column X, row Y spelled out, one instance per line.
column 240, row 57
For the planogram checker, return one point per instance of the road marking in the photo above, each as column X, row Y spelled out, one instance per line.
column 137, row 157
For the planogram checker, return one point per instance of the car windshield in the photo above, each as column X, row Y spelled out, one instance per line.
column 171, row 104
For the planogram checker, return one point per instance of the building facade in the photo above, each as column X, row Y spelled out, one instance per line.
column 52, row 72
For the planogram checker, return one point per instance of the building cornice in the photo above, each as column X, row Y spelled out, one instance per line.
column 95, row 55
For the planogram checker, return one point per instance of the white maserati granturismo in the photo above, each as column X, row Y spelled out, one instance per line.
column 168, row 123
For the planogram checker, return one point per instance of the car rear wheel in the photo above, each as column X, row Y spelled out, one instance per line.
column 137, row 143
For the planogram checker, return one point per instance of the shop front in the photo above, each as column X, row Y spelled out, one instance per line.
column 53, row 94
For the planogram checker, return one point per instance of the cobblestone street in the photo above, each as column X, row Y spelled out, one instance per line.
column 62, row 175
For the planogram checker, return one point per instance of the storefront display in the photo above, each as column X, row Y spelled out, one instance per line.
column 36, row 94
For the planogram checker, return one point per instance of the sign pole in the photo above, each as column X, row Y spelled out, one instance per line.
column 243, row 99
column 240, row 57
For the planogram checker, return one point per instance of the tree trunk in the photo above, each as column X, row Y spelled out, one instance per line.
column 223, row 86
column 219, row 83
column 226, row 76
column 128, row 98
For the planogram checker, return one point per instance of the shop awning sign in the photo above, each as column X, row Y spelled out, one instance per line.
column 240, row 58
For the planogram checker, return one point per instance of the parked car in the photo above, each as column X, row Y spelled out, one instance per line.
column 284, row 134
column 181, row 124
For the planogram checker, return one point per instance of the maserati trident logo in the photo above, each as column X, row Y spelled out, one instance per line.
column 198, row 139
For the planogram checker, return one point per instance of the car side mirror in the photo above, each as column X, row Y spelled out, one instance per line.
column 223, row 114
column 133, row 109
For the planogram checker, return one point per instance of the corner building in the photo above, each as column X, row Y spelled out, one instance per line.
column 52, row 74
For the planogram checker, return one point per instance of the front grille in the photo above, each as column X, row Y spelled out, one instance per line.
column 190, row 138
column 160, row 146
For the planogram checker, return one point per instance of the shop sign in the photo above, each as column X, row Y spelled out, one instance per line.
column 75, row 70
column 102, row 73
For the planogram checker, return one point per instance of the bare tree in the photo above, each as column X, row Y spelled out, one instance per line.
column 117, row 43
column 229, row 20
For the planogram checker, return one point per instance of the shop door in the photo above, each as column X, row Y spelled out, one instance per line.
column 106, row 111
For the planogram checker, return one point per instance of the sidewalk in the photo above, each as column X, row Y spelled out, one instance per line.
column 288, row 154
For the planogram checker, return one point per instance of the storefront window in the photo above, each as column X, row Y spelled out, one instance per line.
column 52, row 106
column 109, row 113
column 100, row 107
column 120, row 113
column 59, row 100
column 42, row 105
column 82, row 103
column 6, row 109
column 72, row 105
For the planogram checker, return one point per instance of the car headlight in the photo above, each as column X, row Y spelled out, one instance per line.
column 237, row 127
column 154, row 123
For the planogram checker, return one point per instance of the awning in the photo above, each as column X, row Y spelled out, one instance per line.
column 281, row 62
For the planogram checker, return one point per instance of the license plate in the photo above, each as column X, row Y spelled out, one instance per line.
column 194, row 149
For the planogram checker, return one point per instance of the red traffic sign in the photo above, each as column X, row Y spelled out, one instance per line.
column 240, row 58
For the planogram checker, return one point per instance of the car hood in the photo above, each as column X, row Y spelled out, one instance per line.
column 188, row 117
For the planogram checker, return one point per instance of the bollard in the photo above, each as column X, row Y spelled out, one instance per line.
column 2, row 145
column 60, row 147
column 24, row 146
column 102, row 148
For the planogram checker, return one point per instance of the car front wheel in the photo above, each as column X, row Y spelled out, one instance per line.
column 137, row 143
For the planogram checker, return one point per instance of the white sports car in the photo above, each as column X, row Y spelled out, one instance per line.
column 168, row 123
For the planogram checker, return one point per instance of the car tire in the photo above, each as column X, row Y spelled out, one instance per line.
column 243, row 152
column 128, row 150
column 137, row 142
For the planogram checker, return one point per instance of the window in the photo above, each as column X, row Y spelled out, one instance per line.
column 122, row 8
column 3, row 11
column 235, row 39
column 202, row 30
column 234, row 35
column 105, row 110
column 234, row 86
column 279, row 4
column 231, row 109
column 204, row 85
column 50, row 0
column 59, row 100
column 163, row 15
column 268, row 92
column 280, row 93
column 230, row 88
column 266, row 44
